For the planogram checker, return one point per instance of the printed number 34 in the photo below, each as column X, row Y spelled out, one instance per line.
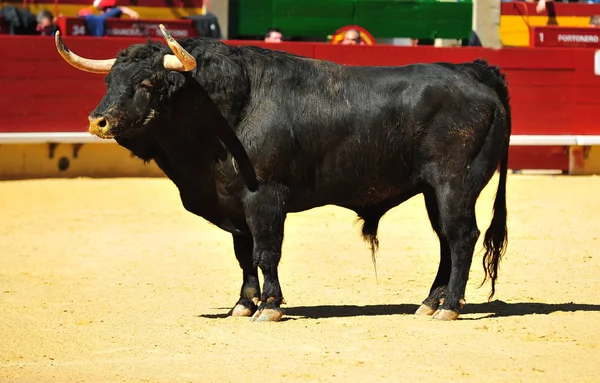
column 78, row 30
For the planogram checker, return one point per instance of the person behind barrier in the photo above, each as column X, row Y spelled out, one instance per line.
column 352, row 37
column 542, row 5
column 273, row 35
column 46, row 23
column 595, row 21
column 20, row 21
column 95, row 24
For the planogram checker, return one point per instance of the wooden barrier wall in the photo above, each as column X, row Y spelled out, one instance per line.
column 553, row 91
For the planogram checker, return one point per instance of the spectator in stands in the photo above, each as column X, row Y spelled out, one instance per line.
column 542, row 4
column 273, row 35
column 352, row 37
column 474, row 40
column 20, row 21
column 46, row 23
column 108, row 8
column 595, row 21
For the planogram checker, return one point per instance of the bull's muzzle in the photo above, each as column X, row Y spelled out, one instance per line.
column 100, row 126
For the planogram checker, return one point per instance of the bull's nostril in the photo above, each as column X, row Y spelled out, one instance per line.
column 102, row 123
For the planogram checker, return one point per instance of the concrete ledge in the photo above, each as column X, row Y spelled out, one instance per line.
column 51, row 137
column 85, row 137
column 558, row 140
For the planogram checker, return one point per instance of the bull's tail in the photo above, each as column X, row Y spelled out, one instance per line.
column 496, row 237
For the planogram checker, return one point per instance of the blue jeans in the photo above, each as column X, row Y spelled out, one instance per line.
column 95, row 24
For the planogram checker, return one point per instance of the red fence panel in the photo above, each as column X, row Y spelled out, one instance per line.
column 553, row 90
column 39, row 92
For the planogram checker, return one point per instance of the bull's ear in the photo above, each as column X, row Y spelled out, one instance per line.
column 175, row 81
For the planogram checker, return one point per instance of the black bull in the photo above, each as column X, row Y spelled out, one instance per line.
column 304, row 133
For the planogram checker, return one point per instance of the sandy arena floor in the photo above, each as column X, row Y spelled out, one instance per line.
column 111, row 280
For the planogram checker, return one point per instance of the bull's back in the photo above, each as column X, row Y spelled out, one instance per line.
column 360, row 134
column 384, row 110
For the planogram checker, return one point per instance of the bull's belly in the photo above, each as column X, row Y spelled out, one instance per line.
column 347, row 193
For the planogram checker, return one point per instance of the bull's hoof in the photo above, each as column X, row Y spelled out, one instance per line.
column 424, row 310
column 245, row 307
column 267, row 315
column 445, row 315
column 241, row 311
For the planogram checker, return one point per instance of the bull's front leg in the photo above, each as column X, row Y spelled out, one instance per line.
column 265, row 215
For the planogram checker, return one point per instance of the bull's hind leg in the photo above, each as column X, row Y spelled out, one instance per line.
column 439, row 286
column 265, row 216
column 250, row 292
column 456, row 200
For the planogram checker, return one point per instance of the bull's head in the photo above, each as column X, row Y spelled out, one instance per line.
column 132, row 99
column 138, row 94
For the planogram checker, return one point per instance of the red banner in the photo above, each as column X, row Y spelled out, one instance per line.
column 180, row 29
column 553, row 36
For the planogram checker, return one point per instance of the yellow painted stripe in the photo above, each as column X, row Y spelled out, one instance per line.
column 92, row 160
column 584, row 160
column 514, row 31
column 70, row 10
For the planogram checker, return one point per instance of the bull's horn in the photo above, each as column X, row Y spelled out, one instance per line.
column 88, row 65
column 182, row 61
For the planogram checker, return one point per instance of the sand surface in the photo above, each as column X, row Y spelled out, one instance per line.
column 111, row 280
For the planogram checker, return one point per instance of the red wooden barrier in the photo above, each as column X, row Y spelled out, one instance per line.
column 553, row 91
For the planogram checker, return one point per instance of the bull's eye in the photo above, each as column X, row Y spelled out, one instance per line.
column 146, row 84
